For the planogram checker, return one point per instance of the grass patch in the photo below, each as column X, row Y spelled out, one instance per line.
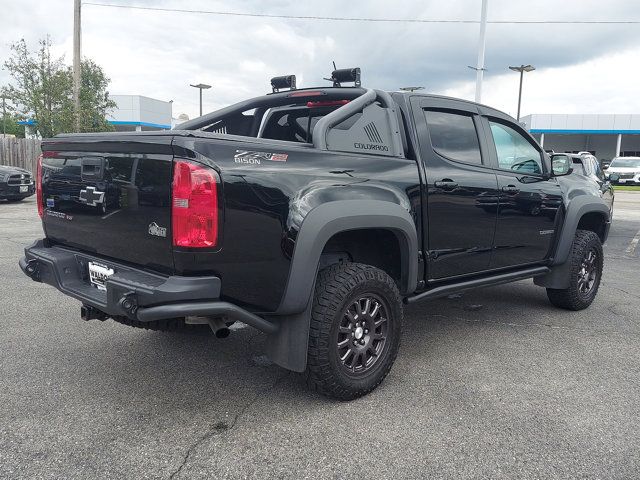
column 632, row 188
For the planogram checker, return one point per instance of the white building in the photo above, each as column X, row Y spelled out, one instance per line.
column 138, row 113
column 606, row 136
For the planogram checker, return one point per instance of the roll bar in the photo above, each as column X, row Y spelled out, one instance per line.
column 376, row 132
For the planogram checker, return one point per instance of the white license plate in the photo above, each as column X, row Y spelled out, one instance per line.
column 98, row 275
column 24, row 188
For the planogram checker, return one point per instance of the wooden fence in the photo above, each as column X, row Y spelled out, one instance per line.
column 20, row 152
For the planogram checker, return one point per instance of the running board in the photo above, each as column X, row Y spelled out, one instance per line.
column 479, row 282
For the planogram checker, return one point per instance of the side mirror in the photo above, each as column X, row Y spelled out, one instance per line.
column 561, row 165
column 614, row 177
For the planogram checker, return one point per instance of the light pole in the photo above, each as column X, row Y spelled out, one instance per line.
column 411, row 89
column 201, row 86
column 521, row 69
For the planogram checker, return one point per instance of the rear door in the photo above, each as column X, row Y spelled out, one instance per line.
column 529, row 199
column 111, row 199
column 462, row 196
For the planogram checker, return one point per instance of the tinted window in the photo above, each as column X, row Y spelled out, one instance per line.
column 596, row 168
column 514, row 151
column 454, row 136
column 120, row 168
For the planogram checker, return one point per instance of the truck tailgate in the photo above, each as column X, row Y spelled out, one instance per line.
column 110, row 197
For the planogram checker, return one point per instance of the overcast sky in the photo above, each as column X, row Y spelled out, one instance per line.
column 580, row 68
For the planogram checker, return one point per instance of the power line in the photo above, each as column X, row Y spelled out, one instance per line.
column 364, row 19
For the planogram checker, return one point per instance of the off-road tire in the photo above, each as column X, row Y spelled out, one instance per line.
column 573, row 298
column 337, row 288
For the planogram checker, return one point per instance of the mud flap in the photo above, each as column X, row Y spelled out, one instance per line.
column 288, row 346
column 557, row 278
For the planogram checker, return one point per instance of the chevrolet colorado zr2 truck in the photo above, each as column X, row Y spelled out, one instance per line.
column 313, row 215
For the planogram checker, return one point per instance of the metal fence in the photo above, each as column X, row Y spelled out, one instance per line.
column 20, row 152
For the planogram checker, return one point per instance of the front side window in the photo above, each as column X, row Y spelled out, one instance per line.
column 514, row 151
column 454, row 136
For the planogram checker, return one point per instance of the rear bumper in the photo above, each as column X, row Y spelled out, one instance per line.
column 132, row 292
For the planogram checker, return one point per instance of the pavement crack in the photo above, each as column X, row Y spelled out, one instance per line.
column 221, row 427
column 623, row 291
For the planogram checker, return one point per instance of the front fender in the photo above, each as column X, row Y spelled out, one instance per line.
column 559, row 276
column 578, row 206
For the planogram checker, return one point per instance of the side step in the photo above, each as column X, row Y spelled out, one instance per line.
column 444, row 290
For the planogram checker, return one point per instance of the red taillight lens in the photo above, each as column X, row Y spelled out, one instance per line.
column 39, row 187
column 194, row 205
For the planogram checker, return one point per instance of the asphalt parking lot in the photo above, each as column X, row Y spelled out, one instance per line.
column 495, row 383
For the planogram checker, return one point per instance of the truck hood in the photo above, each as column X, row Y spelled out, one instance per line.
column 11, row 169
column 623, row 170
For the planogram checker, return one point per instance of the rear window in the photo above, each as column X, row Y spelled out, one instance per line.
column 454, row 136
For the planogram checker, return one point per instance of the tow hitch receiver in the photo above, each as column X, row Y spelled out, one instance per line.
column 89, row 313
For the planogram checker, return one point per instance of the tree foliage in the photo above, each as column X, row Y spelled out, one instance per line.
column 43, row 91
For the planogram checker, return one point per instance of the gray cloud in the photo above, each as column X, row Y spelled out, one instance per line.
column 159, row 54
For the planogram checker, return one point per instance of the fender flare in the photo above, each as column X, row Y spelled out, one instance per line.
column 558, row 277
column 578, row 207
column 288, row 346
column 331, row 218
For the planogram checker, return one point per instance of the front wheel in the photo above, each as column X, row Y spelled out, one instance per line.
column 585, row 273
column 356, row 323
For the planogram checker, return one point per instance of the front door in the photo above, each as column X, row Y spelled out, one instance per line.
column 529, row 199
column 461, row 195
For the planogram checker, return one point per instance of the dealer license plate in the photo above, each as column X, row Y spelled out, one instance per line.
column 98, row 275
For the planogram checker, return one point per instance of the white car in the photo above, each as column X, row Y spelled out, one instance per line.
column 626, row 168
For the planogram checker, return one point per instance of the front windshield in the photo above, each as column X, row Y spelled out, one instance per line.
column 626, row 162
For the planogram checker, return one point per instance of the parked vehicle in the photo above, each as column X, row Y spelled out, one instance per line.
column 587, row 164
column 627, row 170
column 15, row 183
column 313, row 215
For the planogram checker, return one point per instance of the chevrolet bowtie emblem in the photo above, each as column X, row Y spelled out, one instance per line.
column 90, row 196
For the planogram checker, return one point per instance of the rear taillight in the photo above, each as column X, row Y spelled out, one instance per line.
column 39, row 187
column 194, row 205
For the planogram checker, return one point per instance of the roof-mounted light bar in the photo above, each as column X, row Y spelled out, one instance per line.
column 347, row 75
column 285, row 81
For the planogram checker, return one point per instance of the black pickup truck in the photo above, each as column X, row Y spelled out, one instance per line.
column 313, row 215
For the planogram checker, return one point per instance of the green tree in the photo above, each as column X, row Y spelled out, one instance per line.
column 94, row 98
column 43, row 90
column 8, row 119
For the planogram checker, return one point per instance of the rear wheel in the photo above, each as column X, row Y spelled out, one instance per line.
column 356, row 323
column 585, row 273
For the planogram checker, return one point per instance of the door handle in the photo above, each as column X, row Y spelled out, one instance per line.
column 510, row 189
column 446, row 184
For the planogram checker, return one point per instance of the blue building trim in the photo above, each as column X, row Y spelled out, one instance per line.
column 584, row 132
column 141, row 124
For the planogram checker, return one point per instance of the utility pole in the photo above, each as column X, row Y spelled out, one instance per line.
column 76, row 62
column 481, row 46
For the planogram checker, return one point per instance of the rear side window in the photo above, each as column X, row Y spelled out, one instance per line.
column 454, row 136
column 514, row 151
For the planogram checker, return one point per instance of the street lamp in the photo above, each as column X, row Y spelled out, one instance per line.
column 521, row 69
column 201, row 86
